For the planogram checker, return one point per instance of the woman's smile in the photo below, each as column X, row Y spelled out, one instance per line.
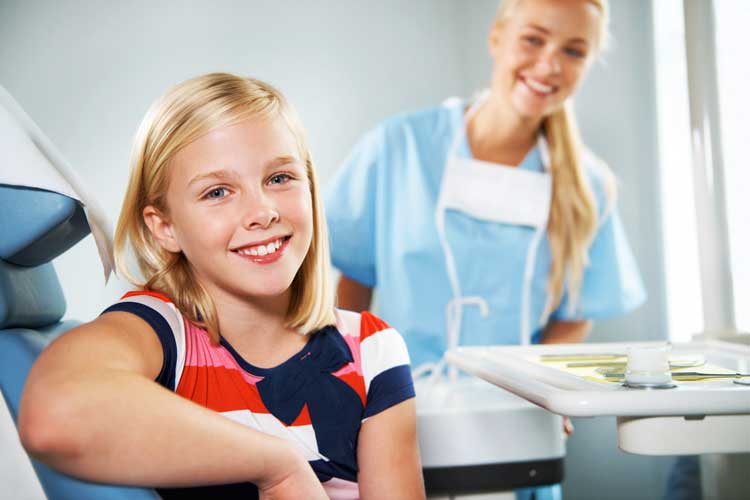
column 537, row 87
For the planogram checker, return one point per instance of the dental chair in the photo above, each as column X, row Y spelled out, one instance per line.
column 35, row 227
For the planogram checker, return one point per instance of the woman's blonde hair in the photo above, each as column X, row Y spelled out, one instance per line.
column 186, row 112
column 573, row 218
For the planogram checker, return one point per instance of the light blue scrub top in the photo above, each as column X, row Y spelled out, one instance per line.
column 381, row 216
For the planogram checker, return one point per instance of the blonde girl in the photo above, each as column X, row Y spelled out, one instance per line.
column 227, row 369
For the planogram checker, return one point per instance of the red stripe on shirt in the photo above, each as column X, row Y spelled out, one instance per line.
column 303, row 418
column 220, row 389
column 370, row 325
column 356, row 382
column 150, row 293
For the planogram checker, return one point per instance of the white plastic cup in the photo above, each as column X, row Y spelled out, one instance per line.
column 648, row 366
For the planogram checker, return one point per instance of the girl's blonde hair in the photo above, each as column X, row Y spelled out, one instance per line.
column 573, row 218
column 186, row 112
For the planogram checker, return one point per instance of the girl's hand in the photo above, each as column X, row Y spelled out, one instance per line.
column 296, row 480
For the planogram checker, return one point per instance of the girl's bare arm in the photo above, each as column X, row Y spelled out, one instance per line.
column 388, row 455
column 90, row 408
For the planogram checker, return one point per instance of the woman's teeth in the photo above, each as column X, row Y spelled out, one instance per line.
column 539, row 86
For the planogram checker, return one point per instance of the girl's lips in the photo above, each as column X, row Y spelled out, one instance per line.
column 259, row 243
column 268, row 258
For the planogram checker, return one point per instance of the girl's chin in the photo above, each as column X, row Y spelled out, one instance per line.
column 269, row 292
column 266, row 292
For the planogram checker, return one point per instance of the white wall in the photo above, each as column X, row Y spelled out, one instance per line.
column 86, row 71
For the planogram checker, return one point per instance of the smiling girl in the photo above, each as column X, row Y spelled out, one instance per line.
column 229, row 366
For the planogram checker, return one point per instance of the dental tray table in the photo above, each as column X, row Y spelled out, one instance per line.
column 706, row 409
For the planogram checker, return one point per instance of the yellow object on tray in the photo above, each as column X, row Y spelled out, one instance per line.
column 610, row 368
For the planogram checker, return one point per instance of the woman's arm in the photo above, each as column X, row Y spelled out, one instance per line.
column 566, row 332
column 353, row 295
column 90, row 408
column 388, row 455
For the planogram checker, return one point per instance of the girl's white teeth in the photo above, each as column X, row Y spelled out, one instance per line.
column 262, row 249
column 538, row 86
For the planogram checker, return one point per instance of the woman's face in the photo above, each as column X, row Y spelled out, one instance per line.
column 239, row 208
column 541, row 51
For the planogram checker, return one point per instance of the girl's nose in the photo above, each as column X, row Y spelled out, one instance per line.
column 261, row 214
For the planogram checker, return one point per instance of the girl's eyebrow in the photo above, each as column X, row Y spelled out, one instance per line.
column 224, row 174
column 215, row 174
column 283, row 160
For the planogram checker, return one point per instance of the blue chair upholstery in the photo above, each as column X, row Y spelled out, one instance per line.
column 36, row 227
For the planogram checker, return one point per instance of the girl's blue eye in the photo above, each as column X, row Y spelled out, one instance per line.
column 216, row 193
column 279, row 179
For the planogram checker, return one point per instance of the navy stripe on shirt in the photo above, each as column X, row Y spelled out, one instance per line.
column 389, row 388
column 163, row 331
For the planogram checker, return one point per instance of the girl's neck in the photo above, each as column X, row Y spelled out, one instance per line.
column 256, row 327
column 496, row 133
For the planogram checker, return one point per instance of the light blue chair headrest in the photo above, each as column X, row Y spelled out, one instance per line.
column 36, row 227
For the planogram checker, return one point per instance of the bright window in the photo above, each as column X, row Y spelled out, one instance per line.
column 732, row 22
column 682, row 271
column 732, row 17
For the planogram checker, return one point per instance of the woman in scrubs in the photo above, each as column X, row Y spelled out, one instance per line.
column 488, row 221
column 492, row 210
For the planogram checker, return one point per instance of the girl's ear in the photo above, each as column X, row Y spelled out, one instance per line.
column 161, row 228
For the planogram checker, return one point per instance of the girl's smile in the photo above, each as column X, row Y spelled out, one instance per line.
column 264, row 252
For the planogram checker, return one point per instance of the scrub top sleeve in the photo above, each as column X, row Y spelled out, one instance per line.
column 350, row 201
column 612, row 284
